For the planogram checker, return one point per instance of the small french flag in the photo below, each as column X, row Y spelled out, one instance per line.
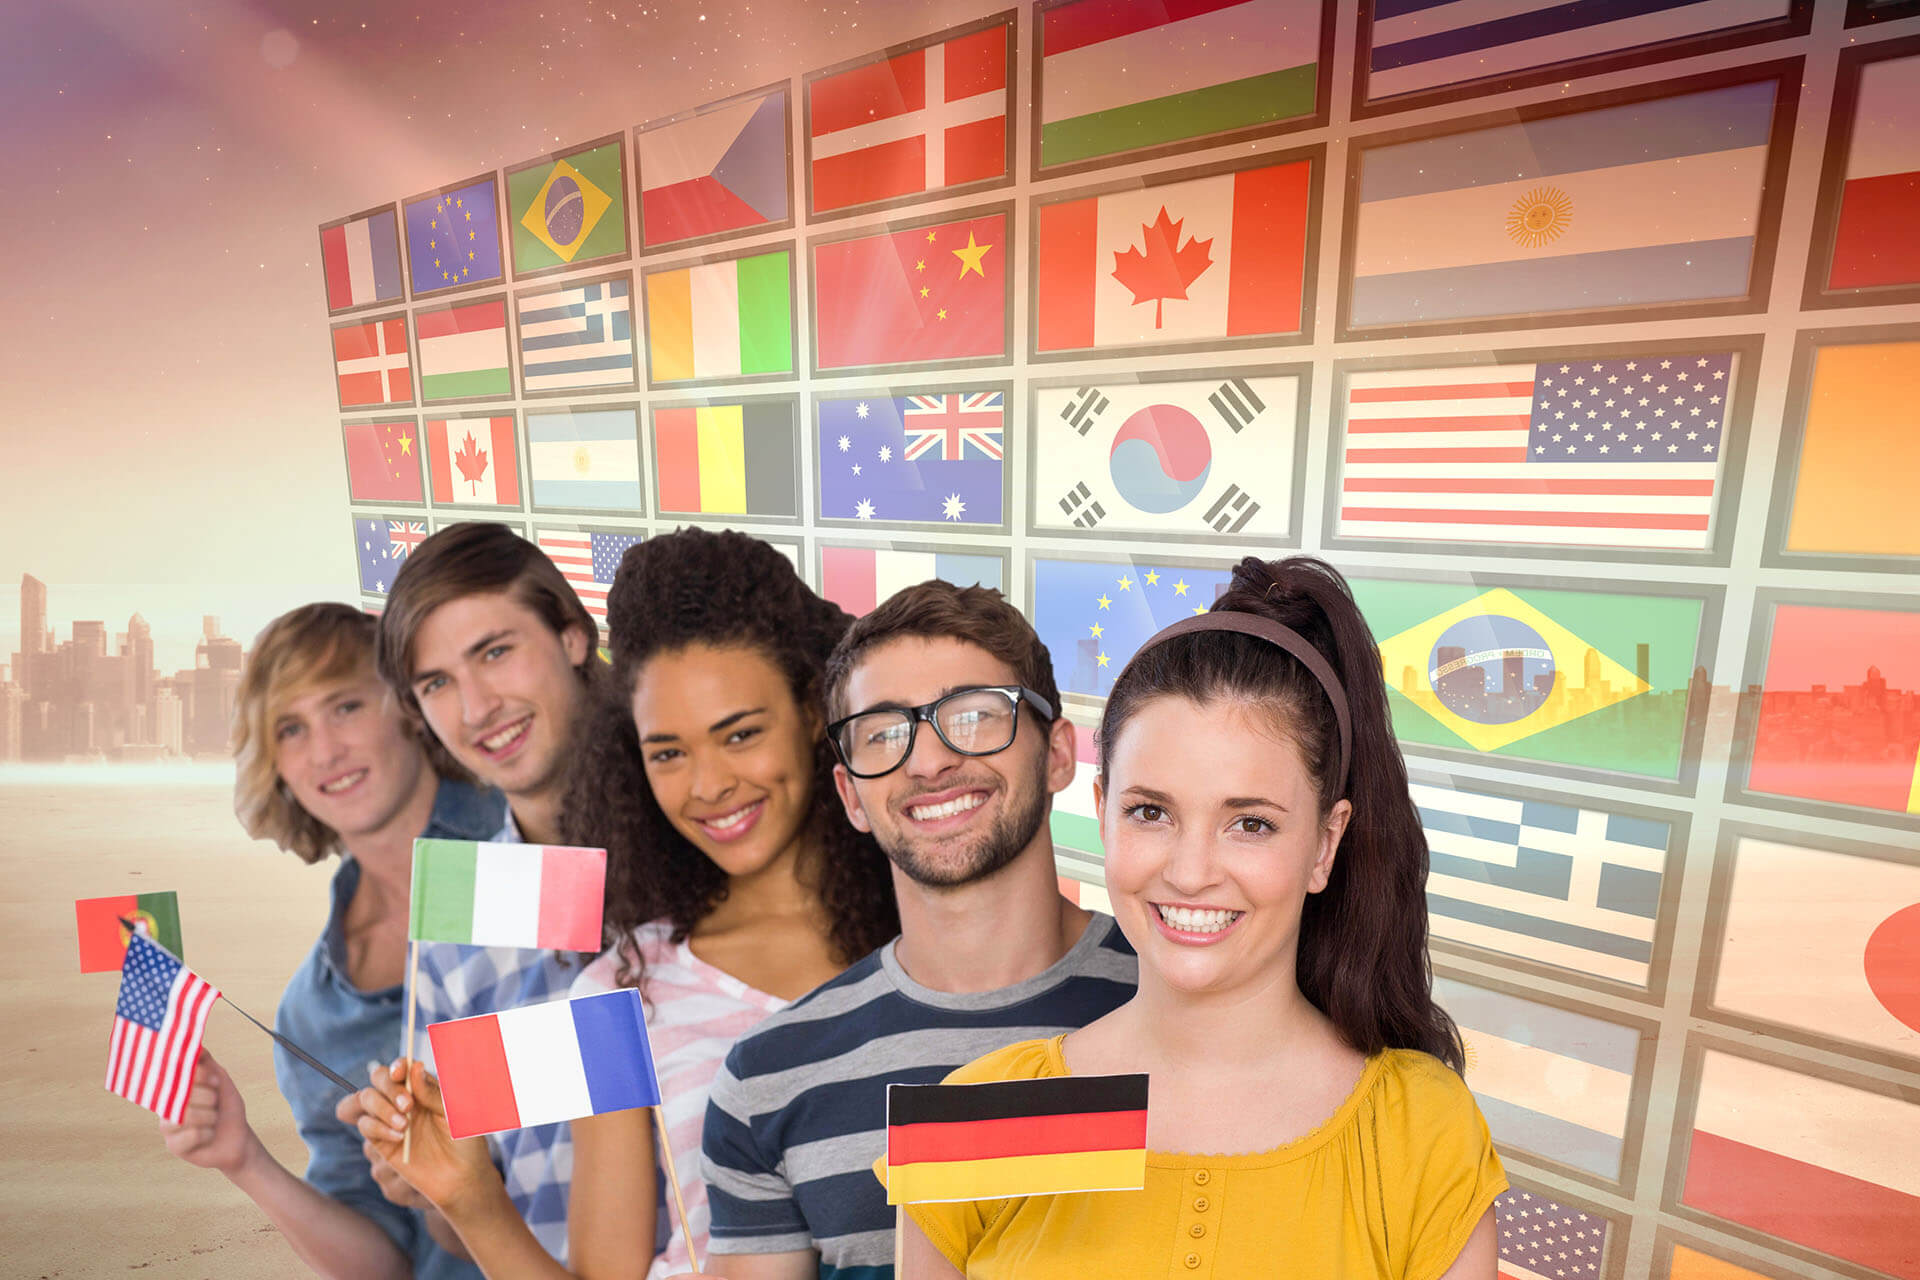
column 545, row 1063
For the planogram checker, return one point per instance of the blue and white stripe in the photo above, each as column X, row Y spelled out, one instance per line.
column 576, row 337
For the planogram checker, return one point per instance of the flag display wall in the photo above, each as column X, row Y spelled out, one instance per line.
column 1124, row 295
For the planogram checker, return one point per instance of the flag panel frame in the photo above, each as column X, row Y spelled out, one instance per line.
column 400, row 258
column 1315, row 119
column 1862, row 12
column 492, row 178
column 1797, row 21
column 413, row 401
column 1640, row 1091
column 446, row 518
column 814, row 243
column 1620, row 1224
column 1686, row 1096
column 383, row 512
column 1666, row 1241
column 1766, row 604
column 1660, row 967
column 1711, row 597
column 829, row 539
column 1794, row 420
column 1817, row 295
column 643, row 458
column 644, row 249
column 1726, row 855
column 1314, row 156
column 507, row 261
column 419, row 460
column 1301, row 372
column 519, row 460
column 1785, row 74
column 728, row 519
column 510, row 334
column 574, row 525
column 643, row 331
column 894, row 391
column 1747, row 348
column 629, row 387
column 1007, row 18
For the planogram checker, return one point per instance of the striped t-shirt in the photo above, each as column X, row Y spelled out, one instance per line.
column 798, row 1114
column 694, row 1014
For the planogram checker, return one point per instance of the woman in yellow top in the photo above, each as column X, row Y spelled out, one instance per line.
column 1307, row 1117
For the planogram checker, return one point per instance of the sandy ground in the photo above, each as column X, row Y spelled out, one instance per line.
column 90, row 1190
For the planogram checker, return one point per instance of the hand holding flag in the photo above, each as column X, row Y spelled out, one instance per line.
column 212, row 1132
column 403, row 1100
column 157, row 1027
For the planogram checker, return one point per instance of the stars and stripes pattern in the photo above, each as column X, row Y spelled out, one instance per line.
column 1541, row 1239
column 156, row 1029
column 955, row 423
column 589, row 562
column 1619, row 451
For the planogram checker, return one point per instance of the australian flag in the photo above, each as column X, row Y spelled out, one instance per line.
column 383, row 545
column 935, row 458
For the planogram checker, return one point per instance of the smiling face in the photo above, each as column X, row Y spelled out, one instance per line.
column 499, row 689
column 728, row 753
column 345, row 752
column 1213, row 840
column 943, row 818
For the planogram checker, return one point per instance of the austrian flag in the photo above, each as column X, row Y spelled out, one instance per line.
column 912, row 122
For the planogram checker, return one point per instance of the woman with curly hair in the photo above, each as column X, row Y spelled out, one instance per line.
column 734, row 884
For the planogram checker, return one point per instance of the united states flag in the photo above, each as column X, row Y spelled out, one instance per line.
column 589, row 561
column 955, row 423
column 156, row 1029
column 1541, row 1239
column 1621, row 451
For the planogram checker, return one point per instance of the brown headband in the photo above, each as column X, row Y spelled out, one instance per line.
column 1273, row 633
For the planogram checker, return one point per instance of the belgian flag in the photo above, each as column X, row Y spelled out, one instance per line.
column 1016, row 1138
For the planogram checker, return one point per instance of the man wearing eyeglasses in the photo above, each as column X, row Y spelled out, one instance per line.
column 947, row 724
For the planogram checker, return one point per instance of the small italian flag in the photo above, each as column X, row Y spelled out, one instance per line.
column 545, row 1063
column 508, row 895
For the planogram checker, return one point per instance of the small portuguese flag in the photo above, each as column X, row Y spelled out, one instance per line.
column 103, row 939
column 508, row 895
column 1013, row 1138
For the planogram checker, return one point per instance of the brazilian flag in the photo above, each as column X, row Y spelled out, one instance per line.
column 570, row 209
column 1596, row 679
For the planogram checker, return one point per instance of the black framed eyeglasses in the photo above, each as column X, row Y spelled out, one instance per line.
column 980, row 721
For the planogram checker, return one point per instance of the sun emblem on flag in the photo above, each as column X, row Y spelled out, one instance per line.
column 1540, row 217
column 582, row 460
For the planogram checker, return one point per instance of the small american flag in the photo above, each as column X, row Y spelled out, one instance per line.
column 954, row 423
column 156, row 1029
column 1616, row 451
column 1543, row 1240
column 589, row 561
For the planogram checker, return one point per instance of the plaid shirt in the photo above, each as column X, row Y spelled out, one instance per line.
column 462, row 982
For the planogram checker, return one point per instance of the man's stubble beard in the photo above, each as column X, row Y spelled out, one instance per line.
column 990, row 853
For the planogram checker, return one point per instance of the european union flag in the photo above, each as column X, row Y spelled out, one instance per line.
column 453, row 238
column 1092, row 615
column 935, row 458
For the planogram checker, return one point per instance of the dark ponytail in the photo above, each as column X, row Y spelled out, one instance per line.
column 1363, row 939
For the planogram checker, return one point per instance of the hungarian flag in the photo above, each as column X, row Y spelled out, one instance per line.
column 463, row 351
column 914, row 122
column 361, row 257
column 1051, row 1136
column 1874, row 244
column 383, row 461
column 727, row 459
column 1222, row 256
column 103, row 939
column 507, row 895
column 1830, row 726
column 903, row 297
column 859, row 578
column 727, row 319
column 544, row 1063
column 473, row 461
column 371, row 364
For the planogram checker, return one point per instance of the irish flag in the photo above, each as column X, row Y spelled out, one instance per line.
column 545, row 1063
column 1223, row 256
column 1117, row 75
column 463, row 351
column 725, row 319
column 1875, row 244
column 508, row 895
column 1050, row 1136
column 858, row 578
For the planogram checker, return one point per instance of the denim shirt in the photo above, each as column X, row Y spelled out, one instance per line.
column 346, row 1028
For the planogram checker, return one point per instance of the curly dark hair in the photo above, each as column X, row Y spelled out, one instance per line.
column 689, row 587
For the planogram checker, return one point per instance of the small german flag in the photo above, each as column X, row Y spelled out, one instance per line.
column 1014, row 1138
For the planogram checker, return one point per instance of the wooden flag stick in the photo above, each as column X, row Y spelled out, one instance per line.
column 673, row 1180
column 899, row 1242
column 406, row 1046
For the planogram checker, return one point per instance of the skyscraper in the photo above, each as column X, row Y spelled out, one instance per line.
column 33, row 615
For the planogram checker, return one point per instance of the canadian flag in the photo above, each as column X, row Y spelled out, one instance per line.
column 473, row 462
column 914, row 122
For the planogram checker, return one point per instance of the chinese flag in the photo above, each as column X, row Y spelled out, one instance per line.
column 898, row 297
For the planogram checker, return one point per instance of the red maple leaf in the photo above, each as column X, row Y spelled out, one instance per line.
column 472, row 461
column 1163, row 267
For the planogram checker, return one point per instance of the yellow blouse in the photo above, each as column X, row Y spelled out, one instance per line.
column 1390, row 1187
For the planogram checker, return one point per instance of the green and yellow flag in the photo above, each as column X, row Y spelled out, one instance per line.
column 569, row 210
